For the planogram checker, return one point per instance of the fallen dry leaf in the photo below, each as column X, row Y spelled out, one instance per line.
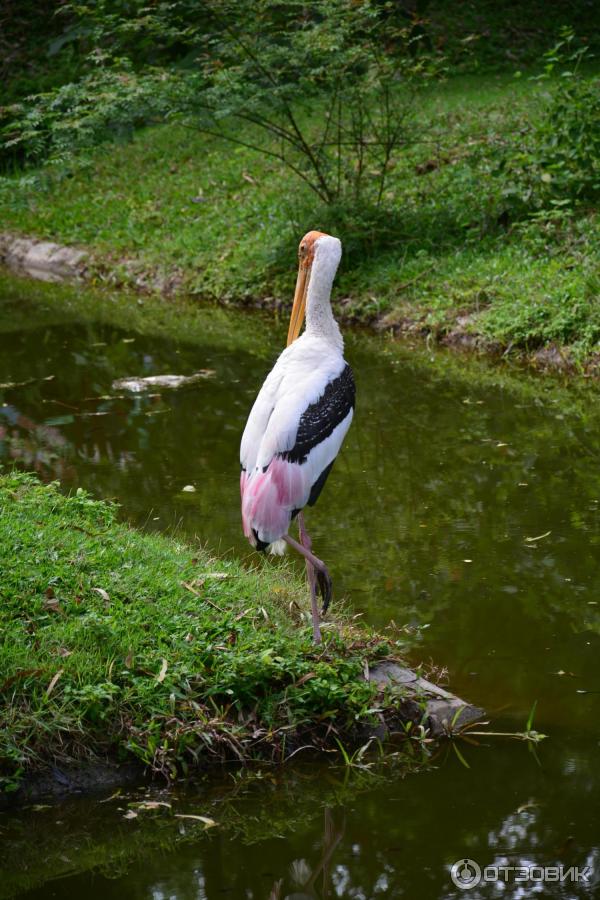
column 52, row 604
column 208, row 822
column 52, row 684
column 538, row 537
column 245, row 612
column 305, row 678
column 102, row 593
column 7, row 385
column 152, row 804
column 190, row 587
column 163, row 672
column 114, row 796
column 531, row 804
column 196, row 593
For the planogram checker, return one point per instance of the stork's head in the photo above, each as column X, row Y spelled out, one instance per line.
column 319, row 255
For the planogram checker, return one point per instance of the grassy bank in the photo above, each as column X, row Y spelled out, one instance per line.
column 177, row 211
column 128, row 645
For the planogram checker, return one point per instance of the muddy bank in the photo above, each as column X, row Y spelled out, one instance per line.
column 85, row 778
column 410, row 699
column 49, row 261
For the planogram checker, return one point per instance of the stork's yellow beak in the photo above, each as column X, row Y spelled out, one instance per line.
column 299, row 305
column 306, row 254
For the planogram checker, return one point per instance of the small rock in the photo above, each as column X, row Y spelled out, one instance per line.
column 423, row 701
column 43, row 260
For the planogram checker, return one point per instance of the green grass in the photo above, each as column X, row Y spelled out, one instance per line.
column 105, row 651
column 177, row 211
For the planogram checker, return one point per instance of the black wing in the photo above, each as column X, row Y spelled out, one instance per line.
column 321, row 418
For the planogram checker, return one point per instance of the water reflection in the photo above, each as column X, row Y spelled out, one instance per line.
column 33, row 446
column 318, row 833
column 311, row 881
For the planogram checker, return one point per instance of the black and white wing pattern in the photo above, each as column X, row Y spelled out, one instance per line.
column 293, row 435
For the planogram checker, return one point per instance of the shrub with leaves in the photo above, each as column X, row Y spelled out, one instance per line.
column 328, row 89
column 557, row 164
column 109, row 103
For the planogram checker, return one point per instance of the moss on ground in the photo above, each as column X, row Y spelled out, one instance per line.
column 131, row 645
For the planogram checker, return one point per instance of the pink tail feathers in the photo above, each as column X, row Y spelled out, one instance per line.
column 268, row 499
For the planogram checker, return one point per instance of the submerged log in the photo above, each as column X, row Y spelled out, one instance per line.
column 154, row 382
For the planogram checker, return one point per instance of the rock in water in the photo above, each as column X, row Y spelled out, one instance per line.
column 152, row 382
column 421, row 701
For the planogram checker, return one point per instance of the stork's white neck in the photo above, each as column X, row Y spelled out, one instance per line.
column 319, row 317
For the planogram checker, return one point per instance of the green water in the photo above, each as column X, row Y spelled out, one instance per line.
column 464, row 507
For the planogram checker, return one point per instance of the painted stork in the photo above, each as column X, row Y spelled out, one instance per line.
column 299, row 419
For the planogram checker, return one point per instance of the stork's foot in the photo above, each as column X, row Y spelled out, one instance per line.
column 314, row 606
column 325, row 587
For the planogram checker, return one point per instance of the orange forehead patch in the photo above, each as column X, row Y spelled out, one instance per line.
column 306, row 250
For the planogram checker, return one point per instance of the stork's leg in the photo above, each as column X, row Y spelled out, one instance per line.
column 312, row 579
column 323, row 577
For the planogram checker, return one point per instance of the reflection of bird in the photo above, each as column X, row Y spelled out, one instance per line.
column 303, row 876
column 299, row 419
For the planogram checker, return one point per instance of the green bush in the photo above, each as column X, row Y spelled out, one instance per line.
column 328, row 89
column 557, row 163
column 109, row 103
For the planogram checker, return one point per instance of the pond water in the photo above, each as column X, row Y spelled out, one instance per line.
column 465, row 504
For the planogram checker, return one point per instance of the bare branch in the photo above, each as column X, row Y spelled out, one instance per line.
column 280, row 156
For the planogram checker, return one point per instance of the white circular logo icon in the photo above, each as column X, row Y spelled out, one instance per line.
column 466, row 874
